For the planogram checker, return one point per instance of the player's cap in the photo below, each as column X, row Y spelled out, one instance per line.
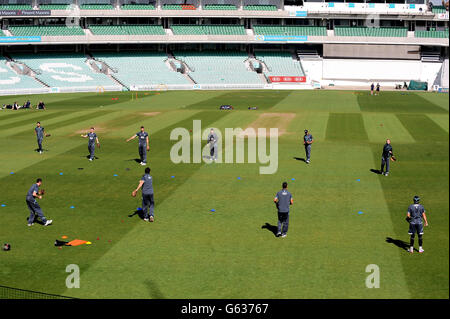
column 416, row 199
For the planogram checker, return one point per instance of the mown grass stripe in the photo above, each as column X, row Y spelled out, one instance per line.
column 346, row 127
column 422, row 128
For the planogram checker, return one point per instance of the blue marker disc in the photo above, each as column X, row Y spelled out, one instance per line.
column 60, row 173
column 12, row 173
column 172, row 176
column 360, row 213
column 238, row 178
column 358, row 180
column 115, row 175
column 213, row 210
column 293, row 179
column 72, row 206
column 3, row 205
column 139, row 208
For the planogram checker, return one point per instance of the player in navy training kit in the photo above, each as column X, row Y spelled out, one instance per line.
column 414, row 216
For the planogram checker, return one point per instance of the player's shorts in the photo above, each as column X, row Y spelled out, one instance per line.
column 415, row 228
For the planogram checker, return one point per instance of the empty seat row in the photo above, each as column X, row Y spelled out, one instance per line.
column 55, row 30
column 370, row 32
column 208, row 29
column 127, row 30
column 290, row 30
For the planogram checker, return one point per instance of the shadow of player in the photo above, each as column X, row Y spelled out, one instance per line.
column 138, row 212
column 376, row 171
column 300, row 159
column 272, row 228
column 399, row 243
column 89, row 156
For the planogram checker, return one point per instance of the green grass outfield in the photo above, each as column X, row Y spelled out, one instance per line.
column 190, row 252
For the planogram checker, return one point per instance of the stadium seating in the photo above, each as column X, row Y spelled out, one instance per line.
column 370, row 32
column 9, row 80
column 290, row 30
column 15, row 7
column 50, row 30
column 219, row 7
column 138, row 7
column 228, row 29
column 65, row 70
column 219, row 67
column 96, row 7
column 142, row 68
column 280, row 64
column 439, row 9
column 127, row 30
column 261, row 8
column 54, row 6
column 431, row 34
column 179, row 7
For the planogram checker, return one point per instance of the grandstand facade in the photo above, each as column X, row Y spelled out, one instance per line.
column 88, row 45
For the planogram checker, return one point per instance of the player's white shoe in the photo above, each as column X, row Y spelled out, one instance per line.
column 30, row 224
column 411, row 249
column 152, row 219
column 40, row 152
column 90, row 159
column 421, row 250
column 278, row 234
column 48, row 222
column 143, row 163
column 283, row 236
column 145, row 219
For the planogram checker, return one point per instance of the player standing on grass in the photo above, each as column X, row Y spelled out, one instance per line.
column 39, row 131
column 386, row 156
column 307, row 141
column 283, row 199
column 143, row 145
column 91, row 144
column 146, row 183
column 33, row 205
column 212, row 141
column 414, row 216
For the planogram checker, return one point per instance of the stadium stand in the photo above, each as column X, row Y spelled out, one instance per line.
column 370, row 32
column 15, row 7
column 142, row 68
column 280, row 64
column 138, row 7
column 228, row 29
column 65, row 70
column 431, row 34
column 219, row 7
column 53, row 30
column 261, row 8
column 179, row 7
column 213, row 67
column 10, row 80
column 96, row 6
column 127, row 30
column 54, row 6
column 290, row 30
column 438, row 9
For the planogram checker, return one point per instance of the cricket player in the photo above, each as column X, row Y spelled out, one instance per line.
column 414, row 216
column 146, row 183
column 39, row 131
column 91, row 144
column 143, row 145
column 307, row 141
column 283, row 199
column 386, row 156
column 212, row 141
column 33, row 206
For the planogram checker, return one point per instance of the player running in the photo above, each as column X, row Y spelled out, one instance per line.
column 33, row 205
column 146, row 183
column 39, row 131
column 283, row 199
column 143, row 145
column 307, row 141
column 91, row 144
column 414, row 216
